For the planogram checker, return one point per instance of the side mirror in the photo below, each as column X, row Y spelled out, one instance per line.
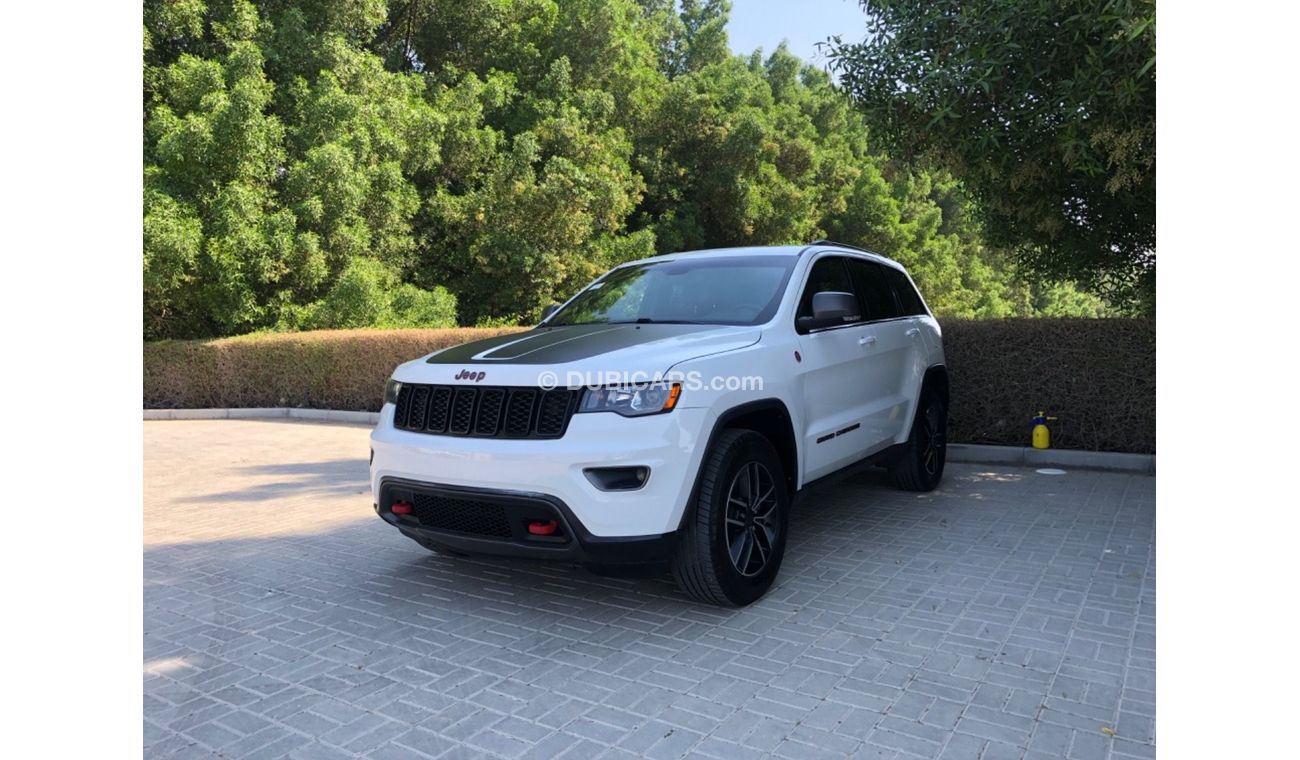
column 831, row 308
column 549, row 310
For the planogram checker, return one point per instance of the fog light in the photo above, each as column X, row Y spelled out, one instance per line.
column 617, row 478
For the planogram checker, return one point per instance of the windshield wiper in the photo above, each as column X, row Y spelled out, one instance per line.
column 638, row 321
column 649, row 321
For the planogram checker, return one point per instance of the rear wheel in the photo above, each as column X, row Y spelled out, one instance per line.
column 919, row 466
column 734, row 539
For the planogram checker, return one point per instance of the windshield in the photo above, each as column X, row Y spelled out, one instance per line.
column 711, row 291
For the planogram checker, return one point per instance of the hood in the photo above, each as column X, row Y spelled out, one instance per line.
column 519, row 358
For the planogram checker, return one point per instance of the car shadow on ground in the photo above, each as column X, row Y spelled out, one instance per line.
column 378, row 554
column 338, row 477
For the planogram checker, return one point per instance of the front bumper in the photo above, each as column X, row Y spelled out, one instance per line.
column 671, row 445
column 487, row 521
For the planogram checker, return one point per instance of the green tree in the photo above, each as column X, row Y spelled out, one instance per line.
column 353, row 163
column 211, row 163
column 1046, row 111
column 260, row 197
column 367, row 293
column 544, row 217
column 702, row 39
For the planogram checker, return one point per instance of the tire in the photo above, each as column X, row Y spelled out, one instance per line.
column 919, row 467
column 715, row 560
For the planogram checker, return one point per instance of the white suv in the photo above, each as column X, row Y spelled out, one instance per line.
column 667, row 414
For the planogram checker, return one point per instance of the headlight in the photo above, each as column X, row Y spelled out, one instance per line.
column 632, row 400
column 391, row 389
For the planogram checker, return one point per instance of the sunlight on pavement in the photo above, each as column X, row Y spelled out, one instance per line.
column 240, row 483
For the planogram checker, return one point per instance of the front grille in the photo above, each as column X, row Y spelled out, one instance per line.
column 519, row 412
column 462, row 413
column 488, row 420
column 481, row 518
column 490, row 412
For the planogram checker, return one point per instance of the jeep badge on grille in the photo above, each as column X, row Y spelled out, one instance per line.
column 466, row 374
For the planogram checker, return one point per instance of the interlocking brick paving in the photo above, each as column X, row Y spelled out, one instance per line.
column 1007, row 614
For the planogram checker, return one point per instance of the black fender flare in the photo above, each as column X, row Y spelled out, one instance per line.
column 722, row 422
column 936, row 376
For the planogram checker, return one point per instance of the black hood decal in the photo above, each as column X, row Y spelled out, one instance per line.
column 559, row 345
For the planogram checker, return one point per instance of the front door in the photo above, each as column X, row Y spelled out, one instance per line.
column 838, row 380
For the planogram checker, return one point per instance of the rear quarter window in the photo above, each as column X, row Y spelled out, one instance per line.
column 874, row 291
column 908, row 298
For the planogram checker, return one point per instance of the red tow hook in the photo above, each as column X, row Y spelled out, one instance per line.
column 401, row 508
column 540, row 528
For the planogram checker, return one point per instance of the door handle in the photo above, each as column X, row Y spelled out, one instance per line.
column 913, row 332
column 866, row 340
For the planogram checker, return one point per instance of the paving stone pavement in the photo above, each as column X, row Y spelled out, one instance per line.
column 1006, row 615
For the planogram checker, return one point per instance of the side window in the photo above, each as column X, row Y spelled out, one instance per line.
column 908, row 298
column 874, row 293
column 828, row 273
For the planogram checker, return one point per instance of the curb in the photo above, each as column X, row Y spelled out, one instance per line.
column 264, row 413
column 1018, row 456
column 1023, row 456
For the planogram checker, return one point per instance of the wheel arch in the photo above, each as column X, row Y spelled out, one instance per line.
column 936, row 379
column 769, row 417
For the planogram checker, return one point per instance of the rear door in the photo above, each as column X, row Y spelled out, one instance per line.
column 921, row 329
column 891, row 349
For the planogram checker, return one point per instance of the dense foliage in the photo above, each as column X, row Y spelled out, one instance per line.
column 347, row 163
column 1047, row 111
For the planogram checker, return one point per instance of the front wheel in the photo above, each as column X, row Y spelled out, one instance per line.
column 919, row 466
column 734, row 539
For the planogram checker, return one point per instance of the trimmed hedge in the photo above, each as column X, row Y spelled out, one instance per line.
column 1097, row 376
column 324, row 369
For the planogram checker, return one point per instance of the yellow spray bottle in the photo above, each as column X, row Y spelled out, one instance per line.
column 1042, row 437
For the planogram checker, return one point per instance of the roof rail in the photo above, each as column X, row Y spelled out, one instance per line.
column 824, row 241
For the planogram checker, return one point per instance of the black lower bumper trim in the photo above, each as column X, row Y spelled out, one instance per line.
column 506, row 533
